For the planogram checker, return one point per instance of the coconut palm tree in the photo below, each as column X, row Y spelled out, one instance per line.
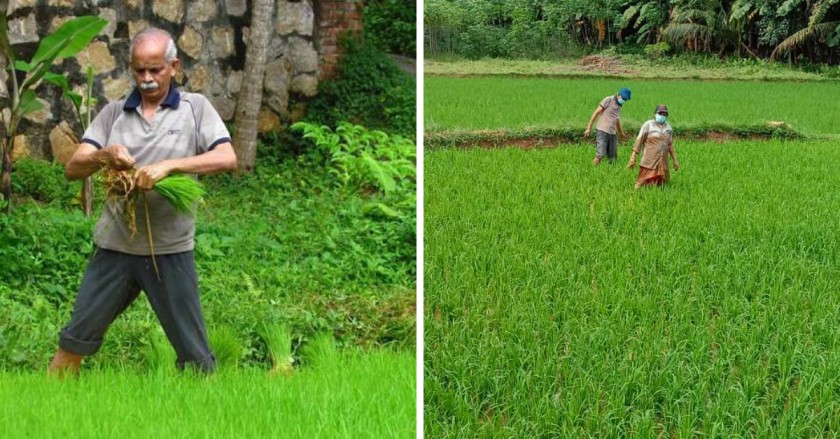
column 816, row 29
column 249, row 101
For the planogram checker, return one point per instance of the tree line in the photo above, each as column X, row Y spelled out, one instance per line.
column 796, row 31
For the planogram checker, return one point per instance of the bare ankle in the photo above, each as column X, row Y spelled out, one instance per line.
column 64, row 364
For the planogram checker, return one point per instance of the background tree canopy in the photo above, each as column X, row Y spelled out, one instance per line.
column 792, row 30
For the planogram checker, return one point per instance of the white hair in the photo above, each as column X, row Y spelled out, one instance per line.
column 171, row 53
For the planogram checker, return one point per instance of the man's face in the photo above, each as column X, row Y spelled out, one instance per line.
column 152, row 74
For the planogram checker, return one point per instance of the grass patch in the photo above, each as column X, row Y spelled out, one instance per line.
column 516, row 103
column 627, row 67
column 562, row 303
column 548, row 137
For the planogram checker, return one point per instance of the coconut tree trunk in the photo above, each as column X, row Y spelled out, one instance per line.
column 250, row 93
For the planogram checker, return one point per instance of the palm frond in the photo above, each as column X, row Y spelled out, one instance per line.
column 802, row 36
column 678, row 33
column 688, row 15
column 820, row 11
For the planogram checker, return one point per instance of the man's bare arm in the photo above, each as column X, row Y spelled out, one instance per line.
column 88, row 159
column 220, row 159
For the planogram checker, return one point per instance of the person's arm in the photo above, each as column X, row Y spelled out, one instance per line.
column 640, row 139
column 595, row 114
column 88, row 159
column 674, row 156
column 220, row 159
column 618, row 128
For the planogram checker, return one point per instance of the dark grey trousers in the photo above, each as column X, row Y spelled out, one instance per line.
column 111, row 283
column 606, row 145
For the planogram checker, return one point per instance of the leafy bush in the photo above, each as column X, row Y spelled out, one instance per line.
column 43, row 181
column 391, row 25
column 285, row 245
column 382, row 168
column 369, row 89
column 365, row 159
column 658, row 50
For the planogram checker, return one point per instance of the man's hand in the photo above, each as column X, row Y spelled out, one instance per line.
column 676, row 166
column 631, row 164
column 586, row 133
column 116, row 157
column 148, row 175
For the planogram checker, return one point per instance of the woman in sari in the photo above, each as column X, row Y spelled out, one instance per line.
column 657, row 138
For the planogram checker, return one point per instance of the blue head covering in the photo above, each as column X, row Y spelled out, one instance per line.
column 625, row 93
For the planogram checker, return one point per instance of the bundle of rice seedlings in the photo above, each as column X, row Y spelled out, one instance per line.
column 279, row 342
column 159, row 355
column 226, row 346
column 184, row 192
column 119, row 186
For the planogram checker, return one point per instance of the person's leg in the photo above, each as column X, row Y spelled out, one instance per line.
column 175, row 299
column 106, row 291
column 601, row 141
column 612, row 147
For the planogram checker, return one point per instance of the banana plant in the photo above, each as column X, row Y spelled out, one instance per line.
column 83, row 109
column 68, row 40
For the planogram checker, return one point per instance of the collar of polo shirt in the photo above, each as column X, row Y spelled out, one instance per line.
column 173, row 98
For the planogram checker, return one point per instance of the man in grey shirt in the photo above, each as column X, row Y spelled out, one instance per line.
column 606, row 142
column 160, row 131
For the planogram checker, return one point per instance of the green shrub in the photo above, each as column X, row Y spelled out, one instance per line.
column 658, row 50
column 43, row 181
column 363, row 158
column 368, row 89
column 391, row 25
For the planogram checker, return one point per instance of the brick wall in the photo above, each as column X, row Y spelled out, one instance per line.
column 335, row 18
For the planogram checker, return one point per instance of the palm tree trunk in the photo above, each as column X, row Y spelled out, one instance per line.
column 250, row 93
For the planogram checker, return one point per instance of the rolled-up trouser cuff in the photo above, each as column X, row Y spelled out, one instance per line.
column 78, row 347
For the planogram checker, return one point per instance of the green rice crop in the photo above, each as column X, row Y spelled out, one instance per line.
column 346, row 398
column 493, row 103
column 561, row 303
column 183, row 191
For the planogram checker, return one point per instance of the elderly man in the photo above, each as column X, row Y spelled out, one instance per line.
column 609, row 110
column 160, row 131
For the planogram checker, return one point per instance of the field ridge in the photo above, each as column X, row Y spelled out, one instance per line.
column 541, row 137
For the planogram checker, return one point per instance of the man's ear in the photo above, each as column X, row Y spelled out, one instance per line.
column 176, row 64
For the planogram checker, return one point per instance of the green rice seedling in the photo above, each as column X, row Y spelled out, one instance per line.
column 320, row 351
column 279, row 342
column 226, row 346
column 347, row 401
column 562, row 303
column 183, row 191
column 488, row 103
column 159, row 355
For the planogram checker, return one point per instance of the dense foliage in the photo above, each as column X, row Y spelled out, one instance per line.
column 287, row 245
column 368, row 89
column 391, row 25
column 799, row 30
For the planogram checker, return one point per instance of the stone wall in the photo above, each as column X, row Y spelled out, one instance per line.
column 211, row 36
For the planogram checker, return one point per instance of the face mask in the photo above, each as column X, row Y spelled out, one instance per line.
column 660, row 118
column 621, row 101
